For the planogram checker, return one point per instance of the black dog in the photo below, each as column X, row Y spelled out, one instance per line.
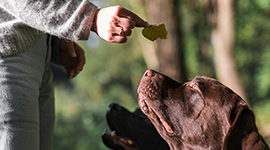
column 131, row 131
column 200, row 114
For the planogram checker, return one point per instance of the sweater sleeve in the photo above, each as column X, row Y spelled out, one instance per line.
column 67, row 19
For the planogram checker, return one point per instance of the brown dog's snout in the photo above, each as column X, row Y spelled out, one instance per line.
column 149, row 73
column 114, row 107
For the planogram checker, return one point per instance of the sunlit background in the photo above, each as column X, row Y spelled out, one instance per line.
column 113, row 71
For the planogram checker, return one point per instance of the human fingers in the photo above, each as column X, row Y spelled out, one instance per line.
column 80, row 58
column 126, row 23
column 139, row 22
column 124, row 31
column 111, row 25
column 125, row 26
column 119, row 39
column 118, row 35
column 76, row 64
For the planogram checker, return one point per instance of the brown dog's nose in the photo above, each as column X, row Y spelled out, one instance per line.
column 114, row 107
column 149, row 73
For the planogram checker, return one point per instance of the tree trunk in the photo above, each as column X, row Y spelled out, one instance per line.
column 223, row 39
column 169, row 51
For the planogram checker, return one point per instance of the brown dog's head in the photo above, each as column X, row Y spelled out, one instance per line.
column 199, row 114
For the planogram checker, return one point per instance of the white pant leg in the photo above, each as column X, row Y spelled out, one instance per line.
column 21, row 86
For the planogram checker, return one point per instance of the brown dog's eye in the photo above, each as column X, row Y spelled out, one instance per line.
column 194, row 86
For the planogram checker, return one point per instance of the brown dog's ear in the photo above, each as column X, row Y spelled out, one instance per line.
column 243, row 133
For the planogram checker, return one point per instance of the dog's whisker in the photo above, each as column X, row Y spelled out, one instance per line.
column 130, row 142
column 113, row 133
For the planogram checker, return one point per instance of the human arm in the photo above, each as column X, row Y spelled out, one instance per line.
column 74, row 19
column 66, row 19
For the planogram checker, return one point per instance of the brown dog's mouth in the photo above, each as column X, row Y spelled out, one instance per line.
column 114, row 140
column 146, row 109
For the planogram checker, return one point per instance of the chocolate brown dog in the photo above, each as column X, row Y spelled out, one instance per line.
column 199, row 114
column 131, row 131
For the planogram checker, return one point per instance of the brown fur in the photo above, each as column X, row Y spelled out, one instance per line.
column 199, row 114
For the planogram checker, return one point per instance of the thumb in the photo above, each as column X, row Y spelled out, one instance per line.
column 139, row 22
column 70, row 49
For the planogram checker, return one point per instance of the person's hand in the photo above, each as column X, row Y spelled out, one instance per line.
column 72, row 58
column 114, row 23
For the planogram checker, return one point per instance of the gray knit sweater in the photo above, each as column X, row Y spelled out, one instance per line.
column 23, row 22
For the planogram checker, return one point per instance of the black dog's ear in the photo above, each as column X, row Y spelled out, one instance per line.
column 243, row 133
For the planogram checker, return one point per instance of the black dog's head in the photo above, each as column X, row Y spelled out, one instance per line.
column 131, row 131
column 199, row 114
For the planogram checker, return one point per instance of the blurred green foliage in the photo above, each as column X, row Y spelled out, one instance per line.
column 111, row 74
column 112, row 71
column 252, row 50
